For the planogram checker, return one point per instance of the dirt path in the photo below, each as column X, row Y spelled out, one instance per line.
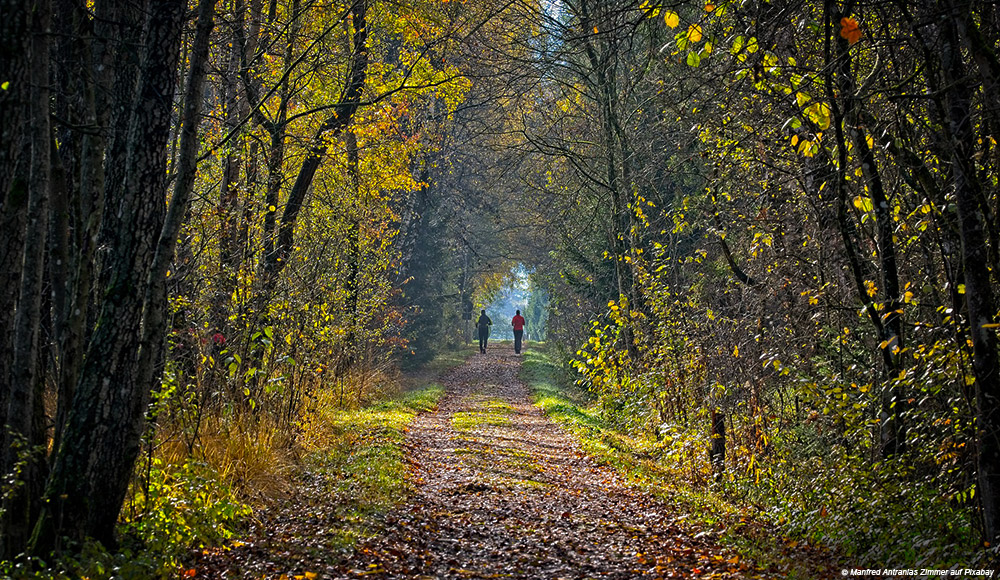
column 503, row 492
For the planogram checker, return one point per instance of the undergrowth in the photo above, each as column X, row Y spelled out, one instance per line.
column 200, row 491
column 178, row 507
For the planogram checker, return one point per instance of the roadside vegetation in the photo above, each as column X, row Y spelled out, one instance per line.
column 191, row 501
column 663, row 468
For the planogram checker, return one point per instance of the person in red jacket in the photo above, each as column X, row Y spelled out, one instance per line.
column 518, row 323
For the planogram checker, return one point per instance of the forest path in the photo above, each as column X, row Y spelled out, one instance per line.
column 503, row 492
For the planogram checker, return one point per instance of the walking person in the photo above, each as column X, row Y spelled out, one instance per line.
column 518, row 323
column 483, row 326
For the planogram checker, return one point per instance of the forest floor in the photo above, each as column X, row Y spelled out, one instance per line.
column 499, row 491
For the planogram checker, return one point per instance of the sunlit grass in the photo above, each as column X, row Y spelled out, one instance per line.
column 360, row 452
column 491, row 412
column 362, row 459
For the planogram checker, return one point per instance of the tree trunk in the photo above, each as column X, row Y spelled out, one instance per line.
column 14, row 50
column 235, row 110
column 154, row 316
column 353, row 257
column 717, row 453
column 888, row 322
column 93, row 465
column 276, row 154
column 20, row 439
column 975, row 258
column 601, row 55
column 82, row 70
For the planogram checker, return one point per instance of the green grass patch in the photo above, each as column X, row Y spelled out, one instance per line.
column 503, row 465
column 363, row 460
column 497, row 407
column 491, row 412
column 636, row 460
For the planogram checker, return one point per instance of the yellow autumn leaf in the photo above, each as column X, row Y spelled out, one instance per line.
column 819, row 113
column 871, row 288
column 694, row 33
column 671, row 18
column 808, row 148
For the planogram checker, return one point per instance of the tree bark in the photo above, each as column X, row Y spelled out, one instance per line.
column 14, row 50
column 717, row 452
column 21, row 439
column 82, row 70
column 979, row 297
column 154, row 319
column 93, row 465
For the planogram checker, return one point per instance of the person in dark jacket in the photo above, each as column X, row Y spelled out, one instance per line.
column 483, row 326
column 518, row 323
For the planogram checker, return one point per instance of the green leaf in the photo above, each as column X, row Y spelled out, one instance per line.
column 693, row 59
column 682, row 40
